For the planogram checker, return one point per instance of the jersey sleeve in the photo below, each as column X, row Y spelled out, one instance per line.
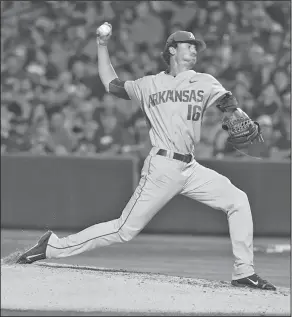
column 134, row 89
column 215, row 91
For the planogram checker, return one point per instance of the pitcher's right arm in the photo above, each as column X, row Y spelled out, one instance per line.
column 107, row 74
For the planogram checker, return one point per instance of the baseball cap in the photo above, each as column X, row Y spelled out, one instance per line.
column 184, row 36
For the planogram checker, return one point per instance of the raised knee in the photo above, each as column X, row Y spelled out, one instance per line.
column 242, row 197
column 239, row 201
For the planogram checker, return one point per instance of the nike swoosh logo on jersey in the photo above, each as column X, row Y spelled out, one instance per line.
column 253, row 282
column 193, row 81
column 33, row 256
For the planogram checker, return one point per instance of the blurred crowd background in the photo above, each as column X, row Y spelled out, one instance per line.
column 52, row 99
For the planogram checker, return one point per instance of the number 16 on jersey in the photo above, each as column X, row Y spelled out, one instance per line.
column 194, row 112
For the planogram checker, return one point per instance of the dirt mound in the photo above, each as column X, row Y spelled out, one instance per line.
column 56, row 287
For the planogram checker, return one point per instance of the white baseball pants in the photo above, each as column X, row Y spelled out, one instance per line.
column 162, row 178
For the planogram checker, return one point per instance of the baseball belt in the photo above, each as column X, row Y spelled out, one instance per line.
column 186, row 158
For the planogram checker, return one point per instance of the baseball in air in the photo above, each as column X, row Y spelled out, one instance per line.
column 104, row 29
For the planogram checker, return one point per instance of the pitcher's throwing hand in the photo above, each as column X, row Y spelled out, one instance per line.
column 103, row 33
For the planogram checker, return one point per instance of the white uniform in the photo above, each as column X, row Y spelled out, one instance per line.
column 174, row 107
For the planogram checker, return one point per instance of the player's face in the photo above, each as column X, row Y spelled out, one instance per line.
column 186, row 53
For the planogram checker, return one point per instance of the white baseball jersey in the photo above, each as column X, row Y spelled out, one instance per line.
column 174, row 106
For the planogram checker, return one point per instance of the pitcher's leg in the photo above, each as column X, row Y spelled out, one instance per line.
column 156, row 187
column 241, row 234
column 216, row 190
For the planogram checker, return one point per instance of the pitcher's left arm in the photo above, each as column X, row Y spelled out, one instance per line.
column 241, row 128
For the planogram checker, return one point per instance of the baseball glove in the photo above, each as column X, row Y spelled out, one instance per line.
column 242, row 130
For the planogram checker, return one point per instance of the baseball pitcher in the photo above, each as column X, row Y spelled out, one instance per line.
column 174, row 102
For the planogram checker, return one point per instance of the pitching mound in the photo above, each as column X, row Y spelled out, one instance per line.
column 57, row 287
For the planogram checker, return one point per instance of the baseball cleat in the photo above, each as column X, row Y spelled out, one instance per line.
column 37, row 252
column 253, row 281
